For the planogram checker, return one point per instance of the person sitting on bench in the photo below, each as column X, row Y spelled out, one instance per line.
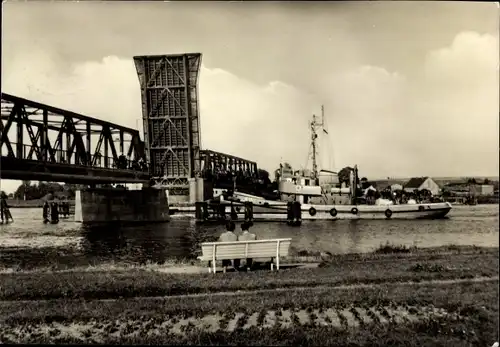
column 228, row 236
column 247, row 236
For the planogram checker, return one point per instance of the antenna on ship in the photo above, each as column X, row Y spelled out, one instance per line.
column 314, row 136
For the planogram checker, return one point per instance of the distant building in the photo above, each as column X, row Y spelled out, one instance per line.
column 396, row 186
column 420, row 183
column 482, row 189
column 466, row 189
column 392, row 184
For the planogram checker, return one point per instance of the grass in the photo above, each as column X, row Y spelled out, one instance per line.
column 389, row 248
column 70, row 259
column 13, row 259
column 338, row 270
column 476, row 303
column 140, row 313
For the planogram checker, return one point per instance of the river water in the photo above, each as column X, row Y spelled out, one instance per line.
column 29, row 243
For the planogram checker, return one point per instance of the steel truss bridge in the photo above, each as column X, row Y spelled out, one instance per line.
column 41, row 142
column 46, row 143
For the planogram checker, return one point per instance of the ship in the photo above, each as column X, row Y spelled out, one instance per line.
column 344, row 199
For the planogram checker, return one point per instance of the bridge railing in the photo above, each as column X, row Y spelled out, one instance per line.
column 62, row 157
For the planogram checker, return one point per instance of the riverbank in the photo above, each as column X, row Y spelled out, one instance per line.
column 394, row 296
column 37, row 203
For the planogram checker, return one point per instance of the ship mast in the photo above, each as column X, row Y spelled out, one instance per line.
column 314, row 136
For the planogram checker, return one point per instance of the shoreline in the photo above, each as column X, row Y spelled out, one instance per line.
column 189, row 207
column 389, row 264
column 13, row 259
column 423, row 296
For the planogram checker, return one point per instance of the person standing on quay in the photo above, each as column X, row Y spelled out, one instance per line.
column 4, row 210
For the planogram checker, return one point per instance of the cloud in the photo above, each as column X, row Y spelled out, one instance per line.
column 470, row 61
column 442, row 122
column 459, row 104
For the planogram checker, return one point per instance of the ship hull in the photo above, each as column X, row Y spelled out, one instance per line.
column 266, row 209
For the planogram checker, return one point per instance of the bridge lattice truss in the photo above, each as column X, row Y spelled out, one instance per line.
column 41, row 142
column 169, row 89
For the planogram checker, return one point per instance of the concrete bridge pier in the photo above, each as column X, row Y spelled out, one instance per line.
column 200, row 190
column 118, row 205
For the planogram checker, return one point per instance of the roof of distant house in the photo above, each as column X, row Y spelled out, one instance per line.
column 415, row 182
column 382, row 184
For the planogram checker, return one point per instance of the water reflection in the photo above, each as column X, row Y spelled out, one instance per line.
column 141, row 244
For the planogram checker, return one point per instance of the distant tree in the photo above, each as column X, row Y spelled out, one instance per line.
column 364, row 179
column 31, row 192
column 71, row 189
column 486, row 181
column 425, row 192
column 471, row 181
column 21, row 190
column 495, row 184
column 3, row 194
column 264, row 176
column 345, row 175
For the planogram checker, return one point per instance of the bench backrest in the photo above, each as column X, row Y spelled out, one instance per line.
column 246, row 249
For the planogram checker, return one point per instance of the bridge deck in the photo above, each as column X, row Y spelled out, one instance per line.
column 23, row 169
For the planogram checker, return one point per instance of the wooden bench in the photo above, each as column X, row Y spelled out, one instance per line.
column 274, row 249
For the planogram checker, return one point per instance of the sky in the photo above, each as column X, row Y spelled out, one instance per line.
column 409, row 88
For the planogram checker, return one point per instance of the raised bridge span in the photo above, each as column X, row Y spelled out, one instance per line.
column 46, row 143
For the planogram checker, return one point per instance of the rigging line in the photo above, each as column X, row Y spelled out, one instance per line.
column 308, row 156
column 328, row 150
column 329, row 147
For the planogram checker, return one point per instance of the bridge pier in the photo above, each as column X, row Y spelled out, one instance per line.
column 118, row 205
column 200, row 190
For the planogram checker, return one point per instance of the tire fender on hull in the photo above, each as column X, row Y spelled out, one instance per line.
column 388, row 213
column 312, row 211
column 333, row 212
column 354, row 210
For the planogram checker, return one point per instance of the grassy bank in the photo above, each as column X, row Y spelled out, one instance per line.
column 395, row 296
column 338, row 270
column 463, row 314
column 47, row 259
